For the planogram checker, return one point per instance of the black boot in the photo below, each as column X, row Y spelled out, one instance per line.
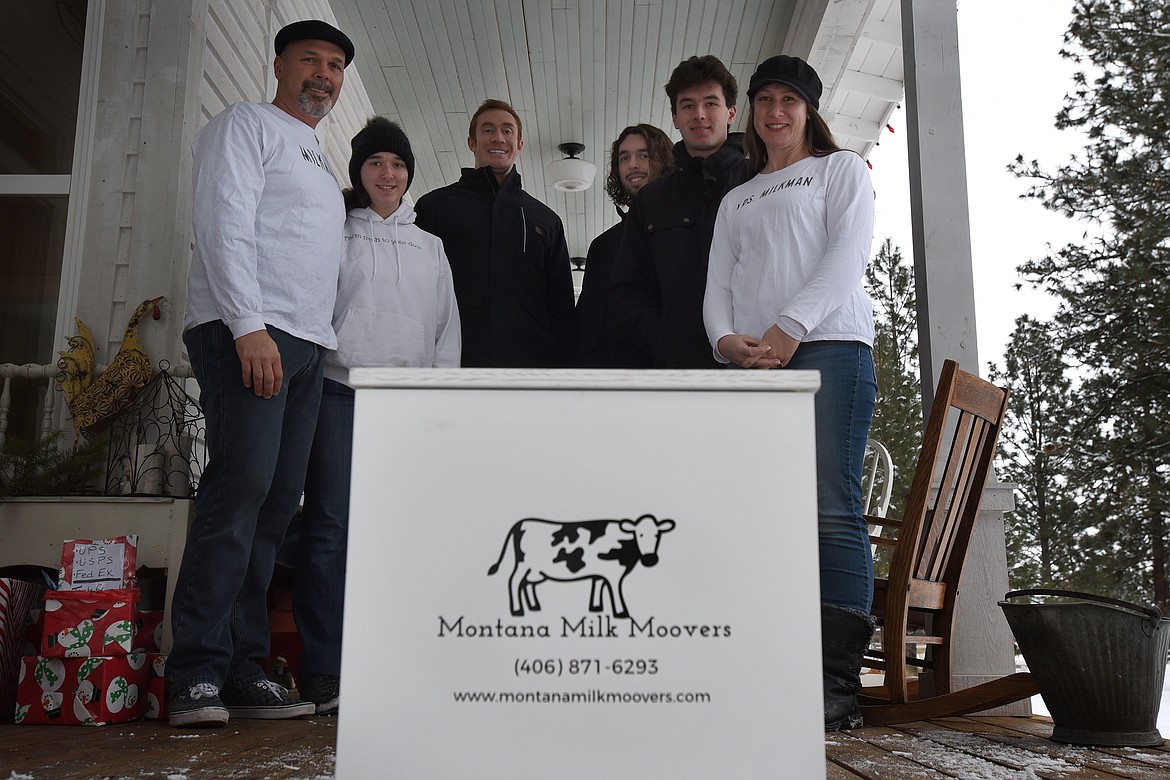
column 845, row 634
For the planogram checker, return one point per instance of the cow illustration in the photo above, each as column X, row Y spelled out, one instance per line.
column 604, row 551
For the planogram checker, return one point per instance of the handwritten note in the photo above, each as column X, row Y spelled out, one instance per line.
column 97, row 563
column 100, row 564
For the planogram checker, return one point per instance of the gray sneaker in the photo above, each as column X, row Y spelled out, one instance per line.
column 198, row 705
column 261, row 698
column 323, row 690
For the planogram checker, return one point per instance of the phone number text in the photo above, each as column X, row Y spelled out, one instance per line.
column 559, row 667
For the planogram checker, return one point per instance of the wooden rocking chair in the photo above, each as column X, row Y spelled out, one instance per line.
column 915, row 606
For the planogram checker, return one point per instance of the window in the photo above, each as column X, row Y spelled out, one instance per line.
column 41, row 53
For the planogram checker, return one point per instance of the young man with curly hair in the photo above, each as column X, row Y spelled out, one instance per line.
column 641, row 154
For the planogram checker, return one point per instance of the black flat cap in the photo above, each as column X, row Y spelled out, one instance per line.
column 314, row 30
column 790, row 71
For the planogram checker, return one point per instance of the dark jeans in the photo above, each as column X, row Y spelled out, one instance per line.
column 319, row 594
column 843, row 409
column 257, row 453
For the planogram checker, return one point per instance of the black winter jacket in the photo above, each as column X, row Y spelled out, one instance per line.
column 660, row 274
column 601, row 344
column 510, row 266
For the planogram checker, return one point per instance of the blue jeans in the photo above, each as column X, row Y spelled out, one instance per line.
column 319, row 592
column 844, row 409
column 257, row 452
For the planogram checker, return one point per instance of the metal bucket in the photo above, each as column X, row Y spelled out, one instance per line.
column 1099, row 664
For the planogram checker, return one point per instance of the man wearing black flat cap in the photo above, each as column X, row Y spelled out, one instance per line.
column 267, row 221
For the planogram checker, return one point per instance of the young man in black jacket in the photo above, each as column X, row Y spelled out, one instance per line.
column 507, row 250
column 641, row 154
column 660, row 273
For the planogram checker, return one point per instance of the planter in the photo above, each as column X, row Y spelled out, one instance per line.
column 1099, row 663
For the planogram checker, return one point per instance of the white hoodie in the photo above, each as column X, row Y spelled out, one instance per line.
column 395, row 299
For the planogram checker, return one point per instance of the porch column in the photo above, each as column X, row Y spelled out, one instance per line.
column 946, row 309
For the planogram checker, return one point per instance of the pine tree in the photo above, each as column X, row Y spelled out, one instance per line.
column 1114, row 318
column 897, row 419
column 1037, row 451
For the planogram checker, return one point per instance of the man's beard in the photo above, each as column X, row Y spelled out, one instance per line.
column 313, row 105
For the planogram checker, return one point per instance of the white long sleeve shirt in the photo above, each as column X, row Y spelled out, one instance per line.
column 790, row 249
column 267, row 220
column 395, row 298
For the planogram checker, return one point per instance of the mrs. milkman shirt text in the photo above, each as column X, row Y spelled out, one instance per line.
column 790, row 248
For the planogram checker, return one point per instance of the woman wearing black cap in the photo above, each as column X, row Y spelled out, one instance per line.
column 395, row 307
column 785, row 289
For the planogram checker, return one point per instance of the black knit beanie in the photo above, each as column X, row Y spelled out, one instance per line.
column 379, row 135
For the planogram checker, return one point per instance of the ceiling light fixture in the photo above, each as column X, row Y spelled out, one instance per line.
column 571, row 174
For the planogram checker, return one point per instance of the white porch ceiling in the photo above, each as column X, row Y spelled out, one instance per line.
column 581, row 70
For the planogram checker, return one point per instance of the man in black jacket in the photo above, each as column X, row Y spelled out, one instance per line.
column 641, row 154
column 660, row 273
column 507, row 250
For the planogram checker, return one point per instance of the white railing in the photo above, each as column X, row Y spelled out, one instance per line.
column 10, row 371
column 53, row 399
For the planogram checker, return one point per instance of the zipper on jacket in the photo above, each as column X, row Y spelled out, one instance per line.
column 524, row 231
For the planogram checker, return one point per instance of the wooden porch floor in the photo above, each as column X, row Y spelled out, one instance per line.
column 967, row 748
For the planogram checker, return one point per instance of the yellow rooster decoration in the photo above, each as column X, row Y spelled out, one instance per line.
column 77, row 364
column 93, row 400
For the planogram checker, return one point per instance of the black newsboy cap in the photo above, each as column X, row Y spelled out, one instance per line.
column 313, row 30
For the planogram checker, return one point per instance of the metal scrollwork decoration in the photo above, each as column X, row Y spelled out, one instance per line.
column 157, row 442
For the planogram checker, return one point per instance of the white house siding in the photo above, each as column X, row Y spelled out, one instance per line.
column 133, row 243
column 164, row 68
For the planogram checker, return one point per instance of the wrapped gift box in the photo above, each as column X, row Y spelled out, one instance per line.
column 148, row 630
column 88, row 623
column 98, row 564
column 81, row 691
column 35, row 630
column 156, row 686
column 284, row 643
column 17, row 598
